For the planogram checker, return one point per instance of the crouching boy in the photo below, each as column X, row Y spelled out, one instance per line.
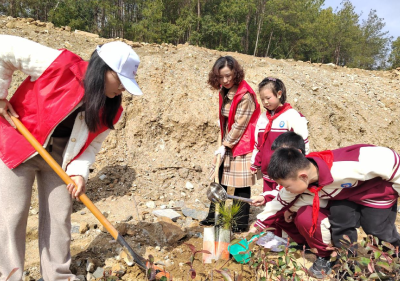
column 363, row 180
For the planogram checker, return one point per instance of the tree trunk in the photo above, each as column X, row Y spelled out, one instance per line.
column 246, row 47
column 269, row 43
column 198, row 15
column 260, row 20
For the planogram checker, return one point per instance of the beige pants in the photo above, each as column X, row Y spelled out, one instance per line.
column 55, row 207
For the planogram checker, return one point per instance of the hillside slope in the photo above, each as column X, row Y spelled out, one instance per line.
column 167, row 136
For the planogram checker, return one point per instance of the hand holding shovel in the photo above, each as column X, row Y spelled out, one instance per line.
column 83, row 198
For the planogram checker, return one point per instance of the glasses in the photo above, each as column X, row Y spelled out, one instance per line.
column 120, row 87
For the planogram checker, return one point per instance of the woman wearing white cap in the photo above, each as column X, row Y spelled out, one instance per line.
column 70, row 106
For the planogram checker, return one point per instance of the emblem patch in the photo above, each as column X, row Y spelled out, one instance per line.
column 281, row 124
column 346, row 185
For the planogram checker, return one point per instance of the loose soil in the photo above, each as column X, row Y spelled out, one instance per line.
column 167, row 138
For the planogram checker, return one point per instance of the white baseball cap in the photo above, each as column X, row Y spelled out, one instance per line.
column 121, row 58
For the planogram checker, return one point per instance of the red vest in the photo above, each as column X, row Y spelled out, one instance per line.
column 246, row 143
column 42, row 105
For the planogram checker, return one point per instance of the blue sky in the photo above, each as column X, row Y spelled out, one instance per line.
column 387, row 9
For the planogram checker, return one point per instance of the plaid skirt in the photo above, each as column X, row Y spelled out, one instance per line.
column 236, row 171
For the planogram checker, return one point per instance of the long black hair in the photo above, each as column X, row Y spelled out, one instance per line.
column 99, row 109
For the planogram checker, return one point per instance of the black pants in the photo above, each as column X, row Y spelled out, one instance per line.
column 346, row 216
column 242, row 217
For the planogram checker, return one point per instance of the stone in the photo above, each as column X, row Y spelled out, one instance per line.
column 98, row 273
column 90, row 265
column 188, row 222
column 81, row 277
column 49, row 25
column 183, row 173
column 193, row 213
column 315, row 89
column 67, row 28
column 89, row 276
column 75, row 228
column 180, row 204
column 102, row 177
column 84, row 226
column 11, row 24
column 169, row 213
column 189, row 185
column 151, row 204
column 34, row 211
column 118, row 270
column 162, row 233
column 126, row 257
column 331, row 65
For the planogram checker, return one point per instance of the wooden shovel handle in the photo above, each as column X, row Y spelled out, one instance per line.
column 218, row 163
column 57, row 168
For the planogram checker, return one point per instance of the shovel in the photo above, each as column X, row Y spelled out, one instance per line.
column 140, row 261
column 217, row 194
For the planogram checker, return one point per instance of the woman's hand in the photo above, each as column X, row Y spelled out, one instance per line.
column 288, row 216
column 257, row 200
column 80, row 187
column 6, row 107
column 221, row 151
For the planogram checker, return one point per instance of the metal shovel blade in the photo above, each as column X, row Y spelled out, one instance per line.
column 216, row 194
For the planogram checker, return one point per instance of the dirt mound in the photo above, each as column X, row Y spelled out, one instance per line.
column 160, row 152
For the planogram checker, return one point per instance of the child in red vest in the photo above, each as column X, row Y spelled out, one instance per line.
column 279, row 118
column 361, row 182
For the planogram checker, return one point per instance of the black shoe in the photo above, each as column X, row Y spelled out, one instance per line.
column 321, row 268
column 206, row 222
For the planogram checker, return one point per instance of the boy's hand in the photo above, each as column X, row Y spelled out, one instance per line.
column 252, row 230
column 257, row 200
